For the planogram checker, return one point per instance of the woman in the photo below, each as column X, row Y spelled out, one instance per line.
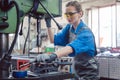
column 78, row 41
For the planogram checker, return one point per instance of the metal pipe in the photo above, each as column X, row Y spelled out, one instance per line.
column 4, row 46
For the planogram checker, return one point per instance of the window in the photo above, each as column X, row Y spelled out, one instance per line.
column 118, row 25
column 105, row 25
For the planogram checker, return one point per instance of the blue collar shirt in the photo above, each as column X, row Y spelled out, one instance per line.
column 84, row 41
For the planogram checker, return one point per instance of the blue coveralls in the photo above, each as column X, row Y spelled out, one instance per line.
column 83, row 45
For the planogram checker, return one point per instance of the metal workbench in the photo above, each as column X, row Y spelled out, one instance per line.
column 33, row 76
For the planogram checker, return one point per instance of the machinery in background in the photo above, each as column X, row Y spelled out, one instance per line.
column 12, row 12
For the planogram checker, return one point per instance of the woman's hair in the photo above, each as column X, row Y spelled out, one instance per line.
column 76, row 4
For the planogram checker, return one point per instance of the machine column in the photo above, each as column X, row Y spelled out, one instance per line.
column 4, row 46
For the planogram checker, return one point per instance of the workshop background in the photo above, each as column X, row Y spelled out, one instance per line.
column 102, row 16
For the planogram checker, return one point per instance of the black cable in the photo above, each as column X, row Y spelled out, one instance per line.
column 21, row 32
column 39, row 43
column 17, row 28
column 27, row 35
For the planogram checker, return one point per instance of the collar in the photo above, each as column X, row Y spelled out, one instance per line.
column 80, row 25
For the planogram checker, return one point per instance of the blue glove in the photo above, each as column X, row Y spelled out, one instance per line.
column 48, row 22
column 46, row 57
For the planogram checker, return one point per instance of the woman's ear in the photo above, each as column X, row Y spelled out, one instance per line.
column 81, row 13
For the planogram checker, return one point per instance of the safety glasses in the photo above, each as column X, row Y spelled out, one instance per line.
column 70, row 14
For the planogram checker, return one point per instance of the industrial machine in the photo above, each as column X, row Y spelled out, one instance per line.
column 12, row 12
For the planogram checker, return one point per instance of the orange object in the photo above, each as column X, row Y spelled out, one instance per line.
column 21, row 62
